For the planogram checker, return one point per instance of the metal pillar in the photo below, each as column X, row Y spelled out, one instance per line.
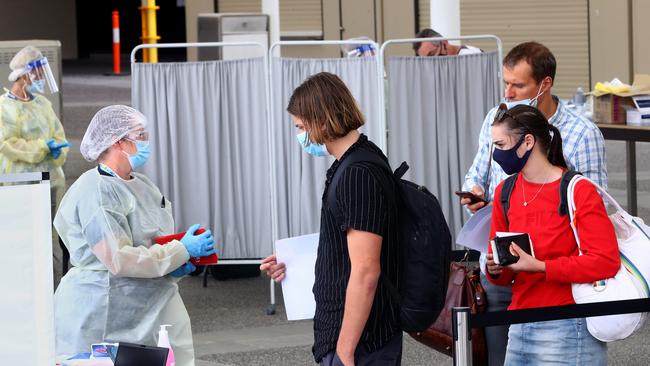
column 630, row 149
column 149, row 32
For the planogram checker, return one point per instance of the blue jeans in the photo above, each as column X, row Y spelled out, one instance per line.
column 556, row 342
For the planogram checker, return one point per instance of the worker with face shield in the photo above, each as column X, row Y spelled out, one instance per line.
column 31, row 135
column 121, row 286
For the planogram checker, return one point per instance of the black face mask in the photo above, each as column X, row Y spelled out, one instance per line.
column 508, row 159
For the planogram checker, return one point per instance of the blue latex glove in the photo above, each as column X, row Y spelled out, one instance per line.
column 183, row 270
column 55, row 148
column 200, row 245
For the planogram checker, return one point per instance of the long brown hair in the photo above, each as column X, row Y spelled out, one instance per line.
column 523, row 119
column 326, row 107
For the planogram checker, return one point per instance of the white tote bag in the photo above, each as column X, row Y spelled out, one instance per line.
column 630, row 282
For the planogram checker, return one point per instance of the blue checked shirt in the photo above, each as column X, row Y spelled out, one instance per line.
column 582, row 143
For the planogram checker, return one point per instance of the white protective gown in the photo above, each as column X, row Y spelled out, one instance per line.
column 119, row 288
column 25, row 127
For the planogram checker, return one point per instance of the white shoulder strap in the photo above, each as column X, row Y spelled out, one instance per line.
column 572, row 204
column 571, row 207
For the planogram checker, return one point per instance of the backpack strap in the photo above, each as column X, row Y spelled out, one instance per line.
column 564, row 186
column 509, row 185
column 399, row 172
column 506, row 192
column 354, row 157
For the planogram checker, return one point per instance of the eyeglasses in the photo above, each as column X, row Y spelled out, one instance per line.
column 503, row 114
column 138, row 136
column 436, row 50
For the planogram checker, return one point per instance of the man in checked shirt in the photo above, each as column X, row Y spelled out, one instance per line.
column 528, row 75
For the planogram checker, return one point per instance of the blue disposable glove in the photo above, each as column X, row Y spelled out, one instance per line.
column 55, row 148
column 201, row 245
column 183, row 270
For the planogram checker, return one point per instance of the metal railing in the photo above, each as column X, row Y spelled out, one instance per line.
column 463, row 322
column 270, row 108
column 382, row 50
column 271, row 309
column 380, row 74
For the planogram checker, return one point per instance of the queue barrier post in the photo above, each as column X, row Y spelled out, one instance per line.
column 462, row 331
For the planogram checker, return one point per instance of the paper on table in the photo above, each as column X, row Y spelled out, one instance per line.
column 299, row 256
column 476, row 232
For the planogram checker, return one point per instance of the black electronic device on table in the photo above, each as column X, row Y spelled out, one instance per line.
column 129, row 354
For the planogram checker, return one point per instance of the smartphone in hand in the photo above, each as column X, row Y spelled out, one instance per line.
column 472, row 196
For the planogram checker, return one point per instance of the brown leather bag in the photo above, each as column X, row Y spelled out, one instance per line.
column 464, row 289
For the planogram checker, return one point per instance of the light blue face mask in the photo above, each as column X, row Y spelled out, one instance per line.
column 531, row 102
column 37, row 86
column 309, row 147
column 141, row 156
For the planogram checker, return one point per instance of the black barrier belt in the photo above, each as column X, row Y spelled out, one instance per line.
column 559, row 312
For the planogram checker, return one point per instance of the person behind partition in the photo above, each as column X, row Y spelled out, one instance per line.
column 121, row 286
column 356, row 320
column 528, row 75
column 352, row 50
column 525, row 144
column 31, row 136
column 440, row 48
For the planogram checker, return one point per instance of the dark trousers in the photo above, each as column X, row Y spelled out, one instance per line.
column 498, row 299
column 389, row 355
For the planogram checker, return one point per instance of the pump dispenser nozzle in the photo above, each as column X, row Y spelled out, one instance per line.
column 163, row 341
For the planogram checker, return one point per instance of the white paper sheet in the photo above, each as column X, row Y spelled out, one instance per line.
column 476, row 232
column 299, row 256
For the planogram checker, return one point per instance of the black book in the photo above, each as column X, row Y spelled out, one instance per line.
column 501, row 247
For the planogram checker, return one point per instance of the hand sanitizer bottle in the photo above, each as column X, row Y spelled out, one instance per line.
column 163, row 341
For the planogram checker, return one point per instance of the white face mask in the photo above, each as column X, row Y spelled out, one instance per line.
column 531, row 102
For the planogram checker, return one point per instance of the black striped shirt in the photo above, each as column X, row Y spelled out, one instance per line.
column 365, row 207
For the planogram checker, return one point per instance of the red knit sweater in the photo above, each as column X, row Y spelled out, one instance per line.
column 554, row 243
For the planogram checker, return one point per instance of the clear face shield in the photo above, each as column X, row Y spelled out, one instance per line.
column 359, row 50
column 40, row 74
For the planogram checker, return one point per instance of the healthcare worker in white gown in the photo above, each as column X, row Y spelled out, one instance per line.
column 121, row 286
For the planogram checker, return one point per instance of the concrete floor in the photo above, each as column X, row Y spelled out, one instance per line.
column 229, row 321
column 231, row 328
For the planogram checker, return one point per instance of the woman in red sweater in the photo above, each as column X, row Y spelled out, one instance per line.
column 527, row 145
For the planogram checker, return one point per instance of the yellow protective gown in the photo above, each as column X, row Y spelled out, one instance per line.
column 119, row 288
column 25, row 127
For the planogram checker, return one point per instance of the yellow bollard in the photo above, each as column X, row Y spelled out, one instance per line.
column 148, row 11
column 144, row 38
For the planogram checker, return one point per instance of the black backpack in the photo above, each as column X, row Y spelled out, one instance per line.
column 509, row 185
column 424, row 243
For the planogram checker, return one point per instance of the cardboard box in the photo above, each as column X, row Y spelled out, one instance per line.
column 610, row 108
column 611, row 104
